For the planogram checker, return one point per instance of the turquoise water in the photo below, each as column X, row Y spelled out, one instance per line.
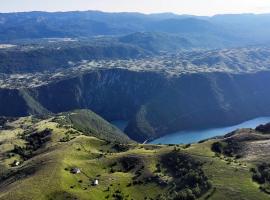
column 185, row 137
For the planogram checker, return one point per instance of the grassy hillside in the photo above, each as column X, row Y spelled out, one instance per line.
column 37, row 157
column 91, row 124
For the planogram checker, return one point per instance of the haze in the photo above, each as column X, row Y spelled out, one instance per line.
column 195, row 7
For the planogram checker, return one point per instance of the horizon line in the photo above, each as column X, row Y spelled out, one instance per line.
column 134, row 12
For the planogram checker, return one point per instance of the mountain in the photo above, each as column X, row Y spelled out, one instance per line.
column 66, row 76
column 157, row 95
column 156, row 42
column 224, row 30
column 50, row 55
column 186, row 25
column 194, row 101
column 250, row 26
column 67, row 24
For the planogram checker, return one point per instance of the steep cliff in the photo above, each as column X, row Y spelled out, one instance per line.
column 115, row 93
column 12, row 103
column 154, row 103
column 202, row 100
column 19, row 102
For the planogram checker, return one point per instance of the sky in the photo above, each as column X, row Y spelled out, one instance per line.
column 195, row 7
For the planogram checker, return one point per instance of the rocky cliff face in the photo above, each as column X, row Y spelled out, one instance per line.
column 115, row 94
column 202, row 100
column 12, row 103
column 154, row 103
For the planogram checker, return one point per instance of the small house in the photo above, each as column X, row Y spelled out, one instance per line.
column 75, row 171
column 95, row 182
column 16, row 163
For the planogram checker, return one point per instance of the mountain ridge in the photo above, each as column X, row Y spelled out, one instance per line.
column 93, row 23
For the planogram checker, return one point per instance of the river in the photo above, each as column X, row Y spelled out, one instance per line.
column 192, row 136
column 185, row 137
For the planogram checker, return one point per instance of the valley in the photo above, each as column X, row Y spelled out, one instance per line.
column 158, row 95
column 133, row 106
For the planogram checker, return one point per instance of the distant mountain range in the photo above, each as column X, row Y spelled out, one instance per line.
column 217, row 31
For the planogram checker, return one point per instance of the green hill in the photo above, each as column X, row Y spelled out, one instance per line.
column 58, row 158
column 91, row 124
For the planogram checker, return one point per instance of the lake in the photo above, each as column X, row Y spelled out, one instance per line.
column 185, row 137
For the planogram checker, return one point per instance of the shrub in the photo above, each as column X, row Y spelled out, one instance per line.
column 34, row 141
column 261, row 175
column 191, row 182
column 228, row 148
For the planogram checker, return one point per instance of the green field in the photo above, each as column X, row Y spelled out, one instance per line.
column 124, row 170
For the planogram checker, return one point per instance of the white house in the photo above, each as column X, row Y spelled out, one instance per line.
column 75, row 170
column 95, row 182
column 16, row 163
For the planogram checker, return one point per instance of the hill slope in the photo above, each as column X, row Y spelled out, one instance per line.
column 91, row 124
column 36, row 153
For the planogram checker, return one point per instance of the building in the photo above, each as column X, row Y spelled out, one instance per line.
column 75, row 171
column 95, row 182
column 16, row 163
